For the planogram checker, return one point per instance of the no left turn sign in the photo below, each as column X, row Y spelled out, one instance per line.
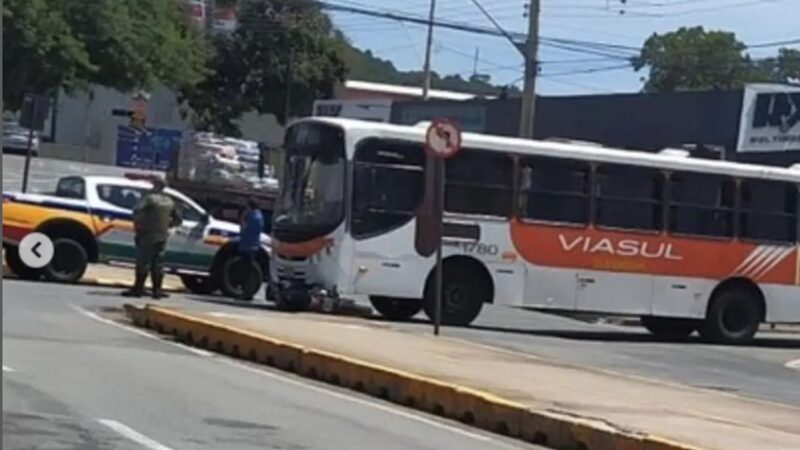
column 443, row 138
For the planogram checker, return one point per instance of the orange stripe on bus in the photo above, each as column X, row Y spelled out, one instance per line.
column 657, row 254
column 301, row 249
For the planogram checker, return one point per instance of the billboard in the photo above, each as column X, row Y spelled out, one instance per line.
column 770, row 120
column 375, row 110
column 149, row 148
column 469, row 117
column 197, row 12
column 225, row 20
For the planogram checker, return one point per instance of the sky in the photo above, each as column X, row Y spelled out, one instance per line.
column 625, row 23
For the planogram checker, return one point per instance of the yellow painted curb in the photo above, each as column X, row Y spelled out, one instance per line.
column 554, row 429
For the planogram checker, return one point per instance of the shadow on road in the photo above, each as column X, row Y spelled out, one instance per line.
column 631, row 337
column 230, row 302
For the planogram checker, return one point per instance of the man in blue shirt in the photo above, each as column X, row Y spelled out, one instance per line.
column 252, row 225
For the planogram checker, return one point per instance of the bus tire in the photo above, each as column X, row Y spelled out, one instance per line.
column 396, row 308
column 670, row 328
column 19, row 268
column 464, row 290
column 198, row 284
column 231, row 281
column 733, row 316
column 69, row 262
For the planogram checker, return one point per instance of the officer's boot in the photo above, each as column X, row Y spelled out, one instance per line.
column 138, row 286
column 158, row 291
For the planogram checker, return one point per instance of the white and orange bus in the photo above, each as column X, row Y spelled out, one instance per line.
column 686, row 244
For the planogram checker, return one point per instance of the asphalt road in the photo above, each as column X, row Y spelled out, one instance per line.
column 74, row 380
column 758, row 370
column 768, row 369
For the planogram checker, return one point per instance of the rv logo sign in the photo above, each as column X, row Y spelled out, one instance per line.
column 780, row 111
column 770, row 119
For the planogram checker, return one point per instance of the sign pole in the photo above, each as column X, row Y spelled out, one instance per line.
column 440, row 177
column 442, row 141
column 29, row 152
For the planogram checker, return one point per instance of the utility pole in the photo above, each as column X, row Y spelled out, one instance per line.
column 531, row 71
column 287, row 98
column 475, row 62
column 426, row 70
column 210, row 8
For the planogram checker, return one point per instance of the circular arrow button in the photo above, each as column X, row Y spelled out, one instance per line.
column 36, row 250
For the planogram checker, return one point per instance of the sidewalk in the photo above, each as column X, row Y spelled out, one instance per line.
column 701, row 418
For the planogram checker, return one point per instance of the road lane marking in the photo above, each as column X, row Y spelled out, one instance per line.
column 7, row 369
column 398, row 411
column 94, row 316
column 794, row 364
column 133, row 435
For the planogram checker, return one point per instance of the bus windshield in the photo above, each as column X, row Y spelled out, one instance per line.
column 312, row 196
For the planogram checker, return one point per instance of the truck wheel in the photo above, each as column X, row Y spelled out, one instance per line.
column 69, row 261
column 396, row 308
column 233, row 279
column 669, row 328
column 463, row 294
column 197, row 284
column 19, row 268
column 733, row 317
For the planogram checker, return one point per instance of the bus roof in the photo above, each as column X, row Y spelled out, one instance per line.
column 668, row 160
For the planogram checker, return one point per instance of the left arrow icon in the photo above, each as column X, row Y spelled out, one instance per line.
column 36, row 250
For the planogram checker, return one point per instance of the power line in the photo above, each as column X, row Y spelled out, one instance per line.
column 775, row 44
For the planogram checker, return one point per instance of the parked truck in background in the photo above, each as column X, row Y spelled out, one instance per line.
column 222, row 173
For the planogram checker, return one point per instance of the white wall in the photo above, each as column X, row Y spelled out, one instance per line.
column 84, row 120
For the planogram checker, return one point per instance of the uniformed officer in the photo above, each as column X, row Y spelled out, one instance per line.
column 153, row 216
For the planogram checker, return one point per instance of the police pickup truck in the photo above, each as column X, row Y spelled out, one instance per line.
column 89, row 219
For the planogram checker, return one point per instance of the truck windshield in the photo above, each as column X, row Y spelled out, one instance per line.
column 311, row 202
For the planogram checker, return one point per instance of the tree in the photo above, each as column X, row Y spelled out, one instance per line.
column 784, row 68
column 122, row 44
column 365, row 66
column 279, row 45
column 695, row 59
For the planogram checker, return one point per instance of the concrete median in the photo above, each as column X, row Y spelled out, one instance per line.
column 597, row 413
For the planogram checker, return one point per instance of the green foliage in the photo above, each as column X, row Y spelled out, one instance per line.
column 785, row 67
column 122, row 44
column 363, row 65
column 250, row 69
column 696, row 59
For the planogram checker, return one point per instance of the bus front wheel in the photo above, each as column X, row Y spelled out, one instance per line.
column 396, row 308
column 464, row 290
column 733, row 316
column 669, row 328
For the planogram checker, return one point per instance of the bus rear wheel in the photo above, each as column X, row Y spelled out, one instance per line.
column 669, row 328
column 396, row 308
column 733, row 316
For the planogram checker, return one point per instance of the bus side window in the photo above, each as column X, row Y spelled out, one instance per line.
column 480, row 182
column 388, row 185
column 629, row 197
column 554, row 190
column 701, row 204
column 768, row 211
